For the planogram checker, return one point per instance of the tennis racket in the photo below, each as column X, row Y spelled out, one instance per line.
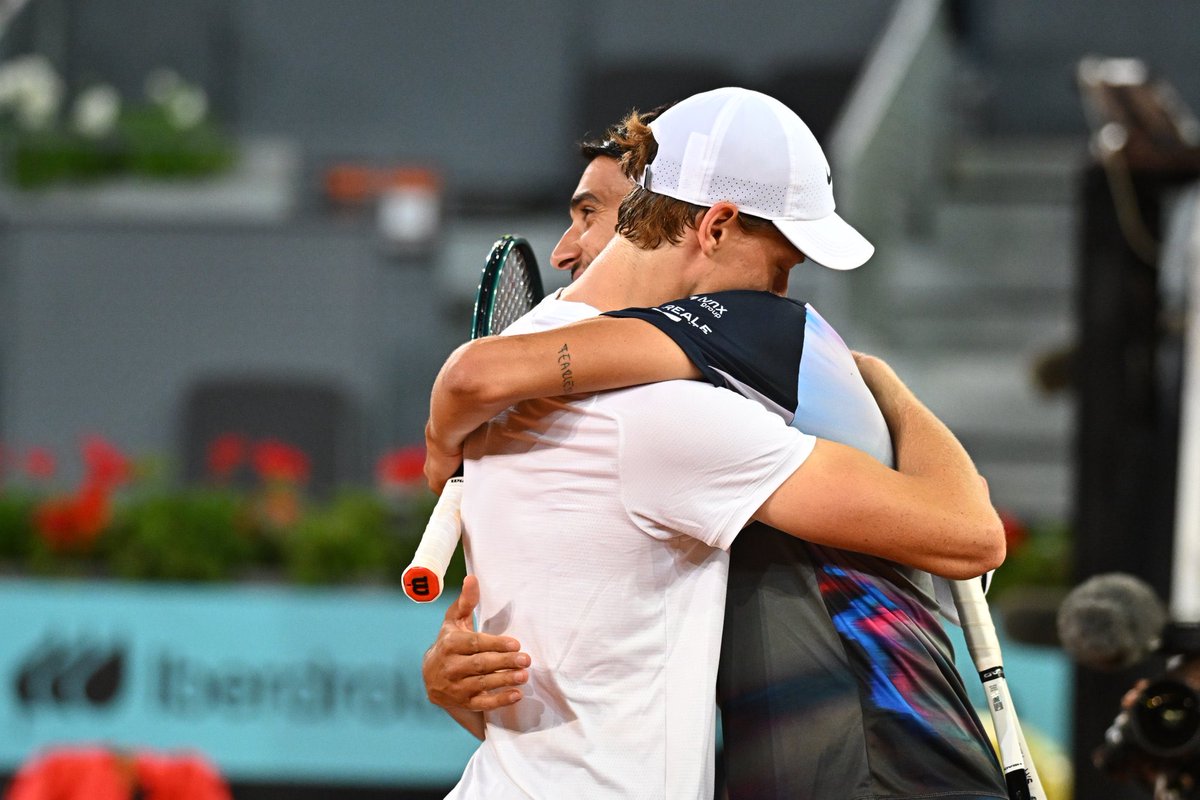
column 508, row 288
column 1020, row 776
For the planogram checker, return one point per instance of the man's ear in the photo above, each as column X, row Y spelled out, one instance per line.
column 715, row 225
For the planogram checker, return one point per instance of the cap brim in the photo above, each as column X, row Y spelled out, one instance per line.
column 829, row 241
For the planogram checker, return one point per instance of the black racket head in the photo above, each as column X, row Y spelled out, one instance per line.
column 510, row 286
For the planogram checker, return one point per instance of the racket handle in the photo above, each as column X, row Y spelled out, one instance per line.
column 977, row 626
column 423, row 578
column 1020, row 774
column 1036, row 792
column 1013, row 759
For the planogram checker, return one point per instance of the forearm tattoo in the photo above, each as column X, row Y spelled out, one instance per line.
column 564, row 368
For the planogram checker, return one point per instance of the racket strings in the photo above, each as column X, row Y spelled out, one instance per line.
column 515, row 294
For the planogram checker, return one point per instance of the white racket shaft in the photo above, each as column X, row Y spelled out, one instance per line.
column 425, row 576
column 979, row 631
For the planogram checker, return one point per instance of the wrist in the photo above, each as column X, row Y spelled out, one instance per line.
column 440, row 445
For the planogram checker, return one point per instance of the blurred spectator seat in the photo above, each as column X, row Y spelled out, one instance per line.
column 816, row 91
column 312, row 415
column 611, row 90
column 93, row 773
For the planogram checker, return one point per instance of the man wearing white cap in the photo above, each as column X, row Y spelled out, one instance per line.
column 598, row 524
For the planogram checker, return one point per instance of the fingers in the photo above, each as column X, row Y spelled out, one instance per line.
column 469, row 596
column 458, row 615
column 466, row 668
column 462, row 654
column 458, row 675
column 436, row 475
column 490, row 691
column 440, row 464
column 472, row 670
column 490, row 701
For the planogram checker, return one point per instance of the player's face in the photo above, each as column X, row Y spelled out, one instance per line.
column 593, row 215
column 777, row 255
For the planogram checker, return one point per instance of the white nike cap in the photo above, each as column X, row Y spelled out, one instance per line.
column 751, row 150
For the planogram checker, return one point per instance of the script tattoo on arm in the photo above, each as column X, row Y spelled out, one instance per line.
column 564, row 368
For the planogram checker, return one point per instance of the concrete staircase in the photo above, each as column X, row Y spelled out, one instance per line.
column 974, row 303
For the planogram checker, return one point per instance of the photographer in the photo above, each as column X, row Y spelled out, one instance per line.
column 1115, row 621
column 1156, row 737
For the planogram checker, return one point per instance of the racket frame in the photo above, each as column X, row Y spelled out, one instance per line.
column 490, row 279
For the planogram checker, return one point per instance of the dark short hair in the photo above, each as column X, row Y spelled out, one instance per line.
column 609, row 144
column 594, row 148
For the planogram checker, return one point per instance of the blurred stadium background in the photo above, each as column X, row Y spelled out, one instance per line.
column 292, row 254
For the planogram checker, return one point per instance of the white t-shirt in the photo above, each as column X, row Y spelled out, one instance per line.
column 598, row 529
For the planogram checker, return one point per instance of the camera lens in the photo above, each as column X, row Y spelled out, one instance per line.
column 1166, row 719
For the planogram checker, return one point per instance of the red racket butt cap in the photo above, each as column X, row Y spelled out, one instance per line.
column 422, row 584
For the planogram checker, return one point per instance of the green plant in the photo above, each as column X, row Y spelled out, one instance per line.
column 346, row 541
column 166, row 135
column 191, row 534
column 251, row 518
column 1038, row 557
column 16, row 524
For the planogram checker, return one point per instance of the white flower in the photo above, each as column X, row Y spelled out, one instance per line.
column 187, row 107
column 31, row 89
column 96, row 111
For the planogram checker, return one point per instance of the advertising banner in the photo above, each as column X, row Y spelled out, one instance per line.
column 268, row 683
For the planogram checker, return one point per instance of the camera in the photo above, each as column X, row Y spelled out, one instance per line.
column 1162, row 724
column 1155, row 739
column 1115, row 621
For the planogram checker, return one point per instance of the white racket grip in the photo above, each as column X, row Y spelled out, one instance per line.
column 977, row 625
column 424, row 577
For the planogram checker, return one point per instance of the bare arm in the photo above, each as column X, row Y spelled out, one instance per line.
column 466, row 672
column 932, row 512
column 486, row 376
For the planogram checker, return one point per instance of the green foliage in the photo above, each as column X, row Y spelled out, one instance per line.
column 154, row 146
column 347, row 541
column 46, row 157
column 159, row 532
column 16, row 524
column 1041, row 559
column 168, row 134
column 190, row 535
column 144, row 144
column 129, row 519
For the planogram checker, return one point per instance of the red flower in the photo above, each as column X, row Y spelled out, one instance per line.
column 225, row 454
column 278, row 461
column 73, row 523
column 92, row 510
column 1015, row 532
column 401, row 468
column 107, row 467
column 40, row 464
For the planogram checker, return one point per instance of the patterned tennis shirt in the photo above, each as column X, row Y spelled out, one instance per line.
column 836, row 679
